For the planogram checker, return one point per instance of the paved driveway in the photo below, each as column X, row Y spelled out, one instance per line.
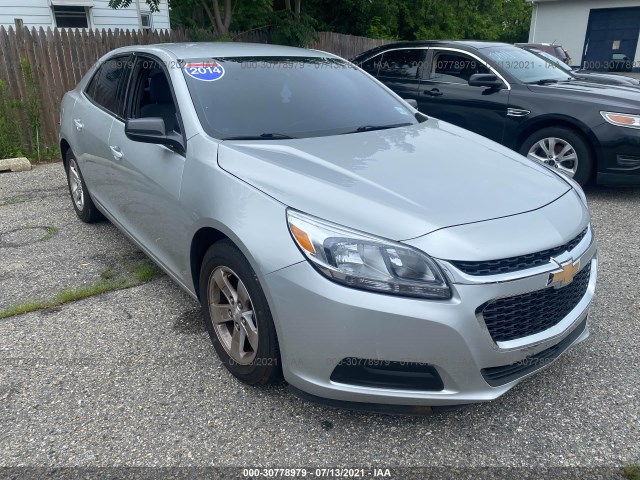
column 129, row 378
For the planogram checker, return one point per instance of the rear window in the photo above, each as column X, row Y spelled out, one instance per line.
column 296, row 97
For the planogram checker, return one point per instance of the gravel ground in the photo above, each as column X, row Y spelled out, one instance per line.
column 129, row 378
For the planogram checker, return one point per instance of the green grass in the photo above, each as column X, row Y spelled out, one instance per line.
column 144, row 271
column 22, row 309
column 132, row 275
column 51, row 231
column 80, row 293
column 632, row 472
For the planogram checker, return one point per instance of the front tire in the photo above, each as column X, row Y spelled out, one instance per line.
column 237, row 316
column 563, row 149
column 80, row 197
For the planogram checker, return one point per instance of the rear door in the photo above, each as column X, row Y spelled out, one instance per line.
column 93, row 115
column 445, row 93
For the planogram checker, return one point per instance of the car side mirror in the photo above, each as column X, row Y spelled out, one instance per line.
column 412, row 101
column 152, row 130
column 485, row 80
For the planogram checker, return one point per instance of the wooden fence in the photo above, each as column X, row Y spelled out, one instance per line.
column 37, row 67
column 346, row 46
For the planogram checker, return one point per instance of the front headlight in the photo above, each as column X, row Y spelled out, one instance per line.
column 622, row 119
column 367, row 262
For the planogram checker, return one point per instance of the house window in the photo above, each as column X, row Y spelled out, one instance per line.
column 145, row 21
column 70, row 17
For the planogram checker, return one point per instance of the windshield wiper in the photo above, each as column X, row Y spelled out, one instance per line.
column 371, row 128
column 544, row 81
column 262, row 136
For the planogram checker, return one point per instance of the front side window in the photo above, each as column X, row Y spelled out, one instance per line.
column 104, row 88
column 151, row 94
column 278, row 97
column 401, row 63
column 70, row 17
column 452, row 67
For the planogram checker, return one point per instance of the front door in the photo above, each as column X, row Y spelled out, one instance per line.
column 445, row 93
column 150, row 175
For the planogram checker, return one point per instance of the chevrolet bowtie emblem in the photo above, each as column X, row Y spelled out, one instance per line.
column 564, row 276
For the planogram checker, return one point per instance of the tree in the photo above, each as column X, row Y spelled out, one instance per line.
column 219, row 16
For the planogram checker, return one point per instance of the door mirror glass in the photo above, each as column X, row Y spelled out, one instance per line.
column 152, row 130
column 412, row 101
column 485, row 80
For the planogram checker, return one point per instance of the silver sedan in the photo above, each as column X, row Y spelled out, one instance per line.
column 333, row 234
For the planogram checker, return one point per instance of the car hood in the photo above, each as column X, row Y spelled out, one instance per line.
column 588, row 91
column 399, row 183
column 608, row 79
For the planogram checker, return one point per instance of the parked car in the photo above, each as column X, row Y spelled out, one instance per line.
column 557, row 51
column 604, row 78
column 332, row 233
column 519, row 99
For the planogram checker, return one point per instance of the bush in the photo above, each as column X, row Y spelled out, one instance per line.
column 10, row 143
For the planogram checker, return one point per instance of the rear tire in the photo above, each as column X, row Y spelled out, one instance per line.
column 80, row 197
column 237, row 316
column 563, row 148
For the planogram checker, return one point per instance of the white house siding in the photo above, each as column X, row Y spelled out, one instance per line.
column 34, row 13
column 565, row 22
column 126, row 18
column 38, row 13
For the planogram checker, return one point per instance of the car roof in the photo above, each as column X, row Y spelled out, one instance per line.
column 223, row 49
column 468, row 44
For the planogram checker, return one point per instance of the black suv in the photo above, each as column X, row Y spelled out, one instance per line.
column 521, row 100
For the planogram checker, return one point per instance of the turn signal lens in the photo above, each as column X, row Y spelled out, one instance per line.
column 622, row 119
column 303, row 239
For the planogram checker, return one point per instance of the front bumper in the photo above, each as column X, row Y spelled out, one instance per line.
column 619, row 155
column 320, row 323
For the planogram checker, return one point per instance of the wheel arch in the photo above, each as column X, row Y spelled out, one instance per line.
column 64, row 148
column 200, row 243
column 546, row 121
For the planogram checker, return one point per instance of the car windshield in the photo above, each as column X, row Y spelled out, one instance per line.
column 526, row 66
column 297, row 97
column 555, row 60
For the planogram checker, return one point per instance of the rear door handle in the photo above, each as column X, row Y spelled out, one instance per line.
column 116, row 152
column 78, row 124
column 434, row 92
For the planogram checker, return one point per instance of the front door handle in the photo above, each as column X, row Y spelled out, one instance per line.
column 434, row 92
column 116, row 152
column 78, row 124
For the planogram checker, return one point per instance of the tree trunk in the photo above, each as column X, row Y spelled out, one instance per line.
column 221, row 27
column 296, row 14
column 209, row 15
column 227, row 15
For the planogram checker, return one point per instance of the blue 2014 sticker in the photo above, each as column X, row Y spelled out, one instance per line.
column 205, row 71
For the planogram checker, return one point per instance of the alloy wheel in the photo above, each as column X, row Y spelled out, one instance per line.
column 556, row 153
column 232, row 315
column 77, row 193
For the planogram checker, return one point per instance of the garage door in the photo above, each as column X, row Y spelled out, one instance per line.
column 612, row 39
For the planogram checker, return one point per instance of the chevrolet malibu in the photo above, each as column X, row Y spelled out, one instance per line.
column 334, row 235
